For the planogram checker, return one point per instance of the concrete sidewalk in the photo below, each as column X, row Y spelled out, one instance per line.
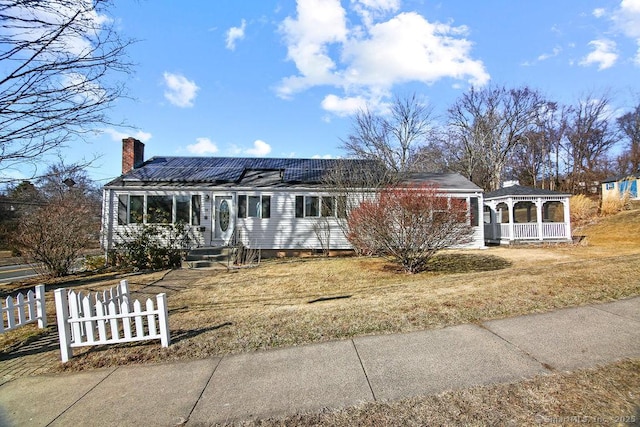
column 328, row 375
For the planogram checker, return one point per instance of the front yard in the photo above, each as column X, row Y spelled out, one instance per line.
column 298, row 301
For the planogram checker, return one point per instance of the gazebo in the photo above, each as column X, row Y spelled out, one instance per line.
column 516, row 214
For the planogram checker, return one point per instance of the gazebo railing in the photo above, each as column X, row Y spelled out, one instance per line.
column 526, row 231
column 554, row 230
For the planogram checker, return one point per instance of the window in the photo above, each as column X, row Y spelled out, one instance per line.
column 328, row 206
column 195, row 209
column 341, row 208
column 159, row 209
column 610, row 186
column 254, row 206
column 136, row 209
column 123, row 206
column 311, row 206
column 266, row 206
column 325, row 206
column 299, row 206
column 473, row 201
column 182, row 209
column 242, row 206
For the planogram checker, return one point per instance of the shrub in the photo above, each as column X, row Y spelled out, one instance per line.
column 612, row 205
column 582, row 208
column 409, row 225
column 151, row 246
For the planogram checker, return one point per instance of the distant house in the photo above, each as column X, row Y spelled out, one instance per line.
column 515, row 214
column 265, row 203
column 621, row 186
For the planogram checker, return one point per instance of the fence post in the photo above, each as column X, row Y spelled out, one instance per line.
column 163, row 319
column 41, row 311
column 64, row 330
column 123, row 293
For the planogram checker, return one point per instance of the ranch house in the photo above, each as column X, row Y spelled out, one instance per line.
column 280, row 206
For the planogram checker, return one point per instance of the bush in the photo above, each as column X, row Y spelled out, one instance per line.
column 613, row 205
column 151, row 246
column 409, row 225
column 582, row 208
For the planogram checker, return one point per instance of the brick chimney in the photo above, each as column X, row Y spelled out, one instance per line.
column 132, row 154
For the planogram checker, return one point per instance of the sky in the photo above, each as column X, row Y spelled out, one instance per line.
column 283, row 78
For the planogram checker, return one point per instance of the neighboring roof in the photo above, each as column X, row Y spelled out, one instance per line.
column 622, row 177
column 518, row 190
column 442, row 180
column 265, row 172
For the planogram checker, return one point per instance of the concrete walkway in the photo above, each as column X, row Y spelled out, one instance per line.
column 329, row 375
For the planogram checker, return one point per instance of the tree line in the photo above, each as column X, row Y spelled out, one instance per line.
column 495, row 133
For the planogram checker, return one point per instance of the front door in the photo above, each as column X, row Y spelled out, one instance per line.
column 224, row 224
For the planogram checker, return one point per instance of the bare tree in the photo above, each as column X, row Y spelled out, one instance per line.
column 409, row 225
column 629, row 126
column 392, row 138
column 58, row 59
column 534, row 162
column 590, row 136
column 55, row 234
column 488, row 123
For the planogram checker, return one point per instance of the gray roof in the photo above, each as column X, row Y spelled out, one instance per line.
column 263, row 172
column 518, row 190
column 622, row 177
column 442, row 180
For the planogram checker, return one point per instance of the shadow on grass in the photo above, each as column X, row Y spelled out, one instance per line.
column 466, row 263
column 181, row 335
column 457, row 263
column 44, row 341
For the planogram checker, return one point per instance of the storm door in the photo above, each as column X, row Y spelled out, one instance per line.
column 224, row 224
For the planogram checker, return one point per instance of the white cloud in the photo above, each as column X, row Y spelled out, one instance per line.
column 322, row 156
column 626, row 20
column 343, row 106
column 555, row 52
column 119, row 136
column 319, row 24
column 180, row 91
column 369, row 10
column 234, row 34
column 599, row 12
column 604, row 54
column 381, row 60
column 202, row 147
column 367, row 61
column 260, row 149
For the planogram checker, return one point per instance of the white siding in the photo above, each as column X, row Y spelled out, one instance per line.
column 282, row 231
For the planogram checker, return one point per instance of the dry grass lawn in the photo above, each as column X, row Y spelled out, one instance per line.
column 299, row 301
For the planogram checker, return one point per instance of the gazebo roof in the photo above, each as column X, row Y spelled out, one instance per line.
column 518, row 190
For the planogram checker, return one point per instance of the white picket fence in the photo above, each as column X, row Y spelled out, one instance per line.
column 108, row 317
column 23, row 309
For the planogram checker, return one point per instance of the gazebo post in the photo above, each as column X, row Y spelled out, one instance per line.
column 512, row 219
column 567, row 218
column 539, row 205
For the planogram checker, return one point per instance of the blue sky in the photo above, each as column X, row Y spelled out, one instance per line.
column 282, row 78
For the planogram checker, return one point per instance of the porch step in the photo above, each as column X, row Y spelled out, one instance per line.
column 206, row 257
